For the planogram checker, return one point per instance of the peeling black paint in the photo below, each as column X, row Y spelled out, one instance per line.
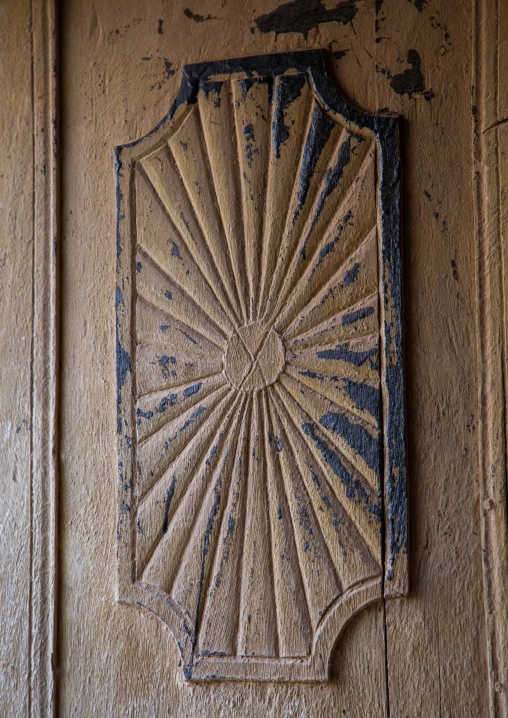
column 386, row 131
column 169, row 498
column 248, row 131
column 419, row 4
column 192, row 389
column 364, row 396
column 333, row 177
column 288, row 90
column 144, row 414
column 354, row 489
column 160, row 29
column 329, row 247
column 302, row 16
column 358, row 438
column 342, row 353
column 123, row 361
column 455, row 270
column 353, row 317
column 351, row 275
column 411, row 80
column 197, row 18
column 319, row 133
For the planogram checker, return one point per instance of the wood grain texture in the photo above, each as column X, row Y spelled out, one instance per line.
column 435, row 638
column 28, row 295
column 312, row 313
column 490, row 142
column 44, row 359
column 16, row 322
column 436, row 661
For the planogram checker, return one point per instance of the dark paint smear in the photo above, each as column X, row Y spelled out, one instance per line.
column 351, row 275
column 278, row 443
column 356, row 358
column 288, row 90
column 175, row 251
column 138, row 266
column 356, row 436
column 192, row 389
column 333, row 177
column 168, row 295
column 169, row 498
column 197, row 18
column 355, row 316
column 305, row 15
column 411, row 80
column 364, row 397
column 387, row 132
column 319, row 134
column 354, row 489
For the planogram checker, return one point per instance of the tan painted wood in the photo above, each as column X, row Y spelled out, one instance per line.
column 16, row 227
column 445, row 650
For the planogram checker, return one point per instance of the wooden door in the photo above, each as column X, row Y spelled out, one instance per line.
column 252, row 280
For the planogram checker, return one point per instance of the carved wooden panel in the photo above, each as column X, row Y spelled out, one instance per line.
column 259, row 358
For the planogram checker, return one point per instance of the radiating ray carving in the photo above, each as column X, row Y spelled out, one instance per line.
column 261, row 495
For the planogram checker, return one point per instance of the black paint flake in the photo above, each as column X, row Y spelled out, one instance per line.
column 197, row 18
column 410, row 81
column 302, row 16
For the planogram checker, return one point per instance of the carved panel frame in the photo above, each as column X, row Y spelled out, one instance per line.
column 395, row 582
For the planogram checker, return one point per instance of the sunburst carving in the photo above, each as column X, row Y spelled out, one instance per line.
column 257, row 496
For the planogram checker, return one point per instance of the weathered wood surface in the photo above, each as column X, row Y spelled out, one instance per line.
column 254, row 417
column 16, row 266
column 119, row 75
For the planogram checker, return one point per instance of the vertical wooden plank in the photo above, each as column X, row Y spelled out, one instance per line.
column 435, row 637
column 106, row 648
column 490, row 180
column 43, row 463
column 16, row 197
